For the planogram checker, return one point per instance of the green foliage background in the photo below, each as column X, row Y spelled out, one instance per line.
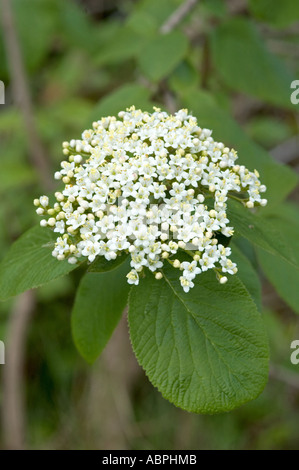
column 231, row 63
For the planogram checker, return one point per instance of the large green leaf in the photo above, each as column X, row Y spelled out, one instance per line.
column 283, row 276
column 276, row 13
column 245, row 64
column 206, row 351
column 261, row 232
column 161, row 55
column 29, row 263
column 247, row 274
column 280, row 180
column 100, row 301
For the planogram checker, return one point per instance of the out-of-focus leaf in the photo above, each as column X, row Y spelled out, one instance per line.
column 245, row 64
column 261, row 232
column 283, row 276
column 36, row 23
column 120, row 99
column 76, row 26
column 184, row 77
column 214, row 8
column 159, row 11
column 142, row 23
column 279, row 13
column 161, row 55
column 268, row 131
column 247, row 274
column 125, row 45
column 15, row 175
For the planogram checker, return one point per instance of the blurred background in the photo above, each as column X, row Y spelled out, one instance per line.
column 65, row 64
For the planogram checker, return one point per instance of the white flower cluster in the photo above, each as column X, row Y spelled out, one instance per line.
column 151, row 185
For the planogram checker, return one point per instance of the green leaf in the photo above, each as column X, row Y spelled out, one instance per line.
column 159, row 11
column 162, row 54
column 184, row 77
column 120, row 99
column 124, row 45
column 283, row 276
column 101, row 265
column 206, row 351
column 76, row 27
column 15, row 175
column 260, row 231
column 42, row 26
column 99, row 304
column 247, row 274
column 29, row 263
column 245, row 64
column 279, row 14
column 280, row 180
column 269, row 131
column 142, row 23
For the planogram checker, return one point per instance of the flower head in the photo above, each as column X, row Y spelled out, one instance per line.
column 150, row 185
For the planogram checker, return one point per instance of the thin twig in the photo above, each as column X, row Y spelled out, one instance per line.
column 22, row 95
column 177, row 16
column 13, row 407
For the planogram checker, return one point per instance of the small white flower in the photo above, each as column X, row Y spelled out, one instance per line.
column 186, row 283
column 133, row 277
column 190, row 270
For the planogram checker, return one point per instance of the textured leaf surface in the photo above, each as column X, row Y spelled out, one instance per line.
column 29, row 263
column 99, row 304
column 206, row 351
